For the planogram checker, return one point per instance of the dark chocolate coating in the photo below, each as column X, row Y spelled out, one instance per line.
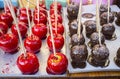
column 99, row 56
column 72, row 11
column 104, row 19
column 73, row 27
column 75, row 40
column 100, row 52
column 94, row 39
column 79, row 55
column 117, row 58
column 117, row 22
column 108, row 30
column 90, row 27
column 104, row 8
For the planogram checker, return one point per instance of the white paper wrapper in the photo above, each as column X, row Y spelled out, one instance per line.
column 112, row 45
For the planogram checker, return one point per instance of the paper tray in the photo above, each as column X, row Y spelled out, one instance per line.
column 112, row 45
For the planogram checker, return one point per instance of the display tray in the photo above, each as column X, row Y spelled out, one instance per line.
column 112, row 45
column 8, row 66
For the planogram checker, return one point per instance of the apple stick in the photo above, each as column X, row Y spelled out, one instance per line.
column 9, row 4
column 38, row 10
column 28, row 19
column 50, row 25
column 98, row 22
column 55, row 11
column 4, row 6
column 108, row 11
column 21, row 2
column 79, row 19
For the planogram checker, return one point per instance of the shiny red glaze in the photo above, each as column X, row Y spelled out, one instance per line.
column 52, row 11
column 3, row 27
column 59, row 6
column 60, row 28
column 7, row 18
column 7, row 10
column 59, row 18
column 42, row 5
column 57, row 64
column 28, row 64
column 32, row 44
column 24, row 11
column 40, row 30
column 42, row 19
column 23, row 29
column 40, row 11
column 9, row 43
column 23, row 18
column 58, row 41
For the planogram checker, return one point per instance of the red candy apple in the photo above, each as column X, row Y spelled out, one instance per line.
column 24, row 18
column 7, row 18
column 7, row 10
column 41, row 5
column 57, row 64
column 9, row 43
column 58, row 41
column 42, row 18
column 40, row 30
column 59, row 18
column 23, row 29
column 59, row 6
column 40, row 11
column 60, row 28
column 32, row 43
column 24, row 11
column 52, row 11
column 28, row 64
column 3, row 27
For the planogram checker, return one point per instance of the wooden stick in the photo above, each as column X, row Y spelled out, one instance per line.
column 108, row 11
column 21, row 2
column 52, row 38
column 9, row 4
column 56, row 16
column 38, row 10
column 4, row 5
column 28, row 17
column 98, row 23
column 79, row 19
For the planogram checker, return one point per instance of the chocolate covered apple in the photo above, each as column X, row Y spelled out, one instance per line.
column 28, row 64
column 22, row 27
column 58, row 41
column 9, row 43
column 32, row 44
column 40, row 30
column 57, row 64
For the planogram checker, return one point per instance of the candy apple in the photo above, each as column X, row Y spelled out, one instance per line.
column 42, row 18
column 40, row 30
column 41, row 5
column 28, row 64
column 24, row 11
column 7, row 18
column 59, row 6
column 57, row 64
column 40, row 11
column 3, row 27
column 59, row 18
column 58, row 41
column 9, row 43
column 32, row 44
column 24, row 18
column 7, row 10
column 52, row 11
column 23, row 29
column 60, row 28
